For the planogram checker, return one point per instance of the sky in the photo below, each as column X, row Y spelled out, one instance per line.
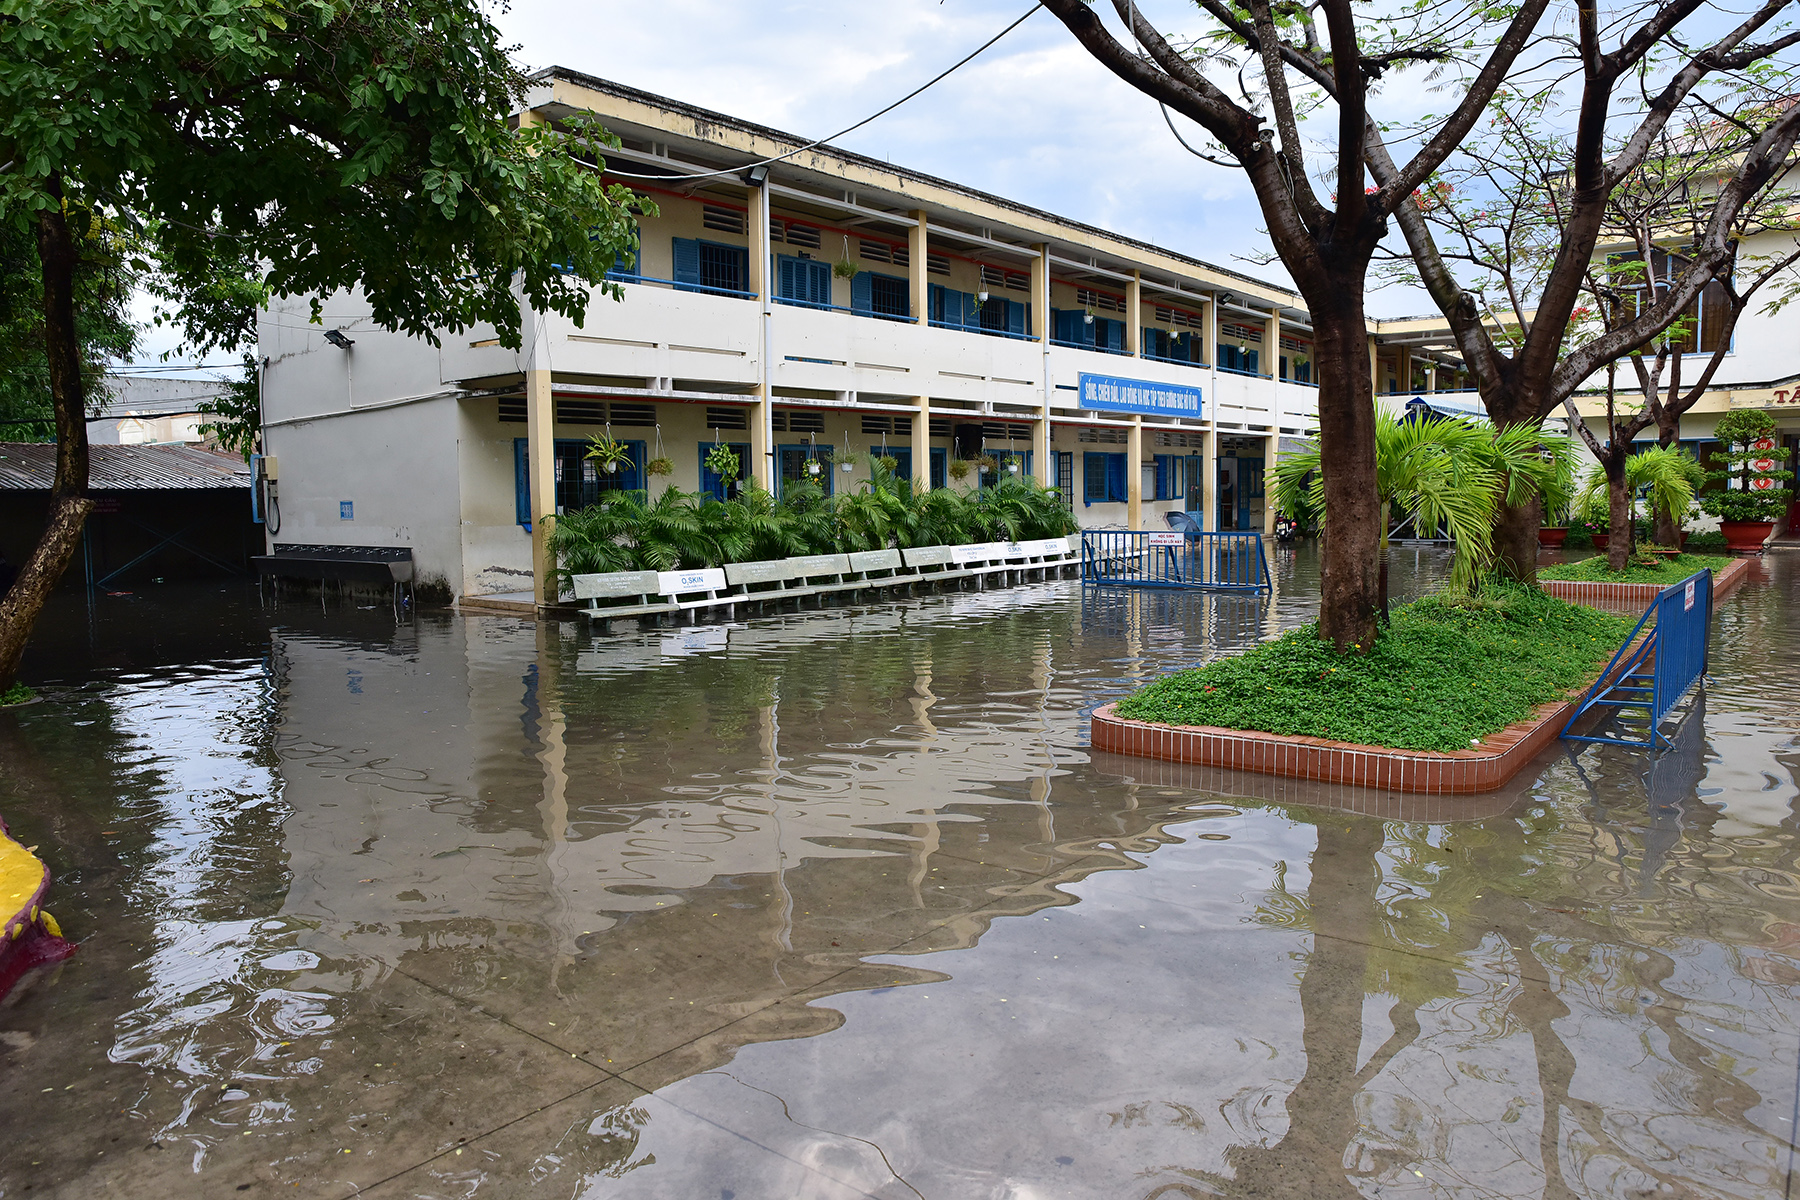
column 1035, row 118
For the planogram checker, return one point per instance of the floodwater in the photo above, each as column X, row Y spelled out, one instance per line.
column 840, row 903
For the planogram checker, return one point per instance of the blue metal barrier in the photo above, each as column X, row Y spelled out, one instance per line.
column 1653, row 676
column 1144, row 558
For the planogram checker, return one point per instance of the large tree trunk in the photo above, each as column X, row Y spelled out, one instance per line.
column 69, row 503
column 1350, row 588
column 1516, row 540
column 1668, row 527
column 1618, row 497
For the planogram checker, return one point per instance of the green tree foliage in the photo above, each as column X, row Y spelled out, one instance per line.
column 1449, row 473
column 306, row 147
column 234, row 418
column 103, row 326
column 1666, row 475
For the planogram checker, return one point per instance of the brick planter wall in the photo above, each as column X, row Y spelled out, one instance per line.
column 1482, row 768
column 1634, row 598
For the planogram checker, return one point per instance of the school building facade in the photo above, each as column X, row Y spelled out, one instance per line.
column 825, row 304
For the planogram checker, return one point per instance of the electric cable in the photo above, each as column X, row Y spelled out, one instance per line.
column 849, row 129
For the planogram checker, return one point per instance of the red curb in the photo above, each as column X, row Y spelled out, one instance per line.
column 1503, row 753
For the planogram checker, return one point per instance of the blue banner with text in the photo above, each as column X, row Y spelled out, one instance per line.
column 1109, row 393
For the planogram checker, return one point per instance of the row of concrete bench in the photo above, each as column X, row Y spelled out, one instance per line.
column 655, row 593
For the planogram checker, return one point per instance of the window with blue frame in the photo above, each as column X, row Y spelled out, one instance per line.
column 803, row 280
column 1072, row 327
column 710, row 266
column 882, row 295
column 1171, row 476
column 711, row 484
column 1103, row 478
column 1173, row 347
column 940, row 466
column 579, row 480
column 1231, row 358
column 902, row 456
column 795, row 464
column 963, row 310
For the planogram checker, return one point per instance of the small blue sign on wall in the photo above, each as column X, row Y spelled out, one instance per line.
column 346, row 510
column 1109, row 393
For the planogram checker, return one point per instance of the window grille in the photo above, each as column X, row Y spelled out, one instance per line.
column 640, row 416
column 1102, row 434
column 801, row 420
column 937, row 264
column 727, row 418
column 803, row 235
column 875, row 251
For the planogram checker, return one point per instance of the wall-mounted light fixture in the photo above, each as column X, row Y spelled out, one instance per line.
column 336, row 337
column 757, row 176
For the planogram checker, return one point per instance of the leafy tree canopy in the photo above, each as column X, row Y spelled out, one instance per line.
column 314, row 145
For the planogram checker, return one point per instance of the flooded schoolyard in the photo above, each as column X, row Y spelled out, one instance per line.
column 839, row 903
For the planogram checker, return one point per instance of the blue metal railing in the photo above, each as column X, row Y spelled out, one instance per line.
column 621, row 277
column 968, row 328
column 1654, row 675
column 1145, row 558
column 1055, row 341
column 1180, row 362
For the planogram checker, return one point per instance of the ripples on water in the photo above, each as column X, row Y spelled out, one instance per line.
column 839, row 902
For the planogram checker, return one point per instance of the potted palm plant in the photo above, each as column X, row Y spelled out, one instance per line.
column 1751, row 496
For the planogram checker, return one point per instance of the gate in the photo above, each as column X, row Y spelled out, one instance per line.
column 1145, row 558
column 1663, row 668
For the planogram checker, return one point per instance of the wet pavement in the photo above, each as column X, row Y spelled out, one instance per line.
column 839, row 903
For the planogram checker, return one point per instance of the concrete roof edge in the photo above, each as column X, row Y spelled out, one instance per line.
column 626, row 92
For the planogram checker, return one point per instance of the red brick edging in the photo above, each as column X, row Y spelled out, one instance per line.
column 1636, row 597
column 1500, row 756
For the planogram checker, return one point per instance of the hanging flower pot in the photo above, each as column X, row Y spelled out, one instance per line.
column 660, row 466
column 1012, row 467
column 812, row 468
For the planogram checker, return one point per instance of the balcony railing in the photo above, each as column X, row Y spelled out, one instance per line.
column 1180, row 362
column 620, row 277
column 967, row 328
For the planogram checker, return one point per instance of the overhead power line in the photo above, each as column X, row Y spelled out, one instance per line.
column 964, row 61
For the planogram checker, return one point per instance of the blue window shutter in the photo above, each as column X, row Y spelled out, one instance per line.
column 1060, row 324
column 743, row 267
column 862, row 293
column 1162, row 477
column 1117, row 488
column 1015, row 317
column 934, row 302
column 687, row 260
column 818, row 282
column 787, row 277
column 521, row 482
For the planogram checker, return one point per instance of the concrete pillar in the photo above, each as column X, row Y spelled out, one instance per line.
column 762, row 447
column 1134, row 320
column 1430, row 376
column 1043, row 463
column 540, row 450
column 1209, row 517
column 1209, row 331
column 1134, row 478
column 916, row 269
column 921, row 447
column 1272, row 344
column 1403, row 369
column 1374, row 365
column 1271, row 445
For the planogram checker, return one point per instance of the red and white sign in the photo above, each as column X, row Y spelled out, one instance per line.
column 1171, row 538
column 1763, row 444
column 1763, row 484
column 1688, row 603
column 1764, row 464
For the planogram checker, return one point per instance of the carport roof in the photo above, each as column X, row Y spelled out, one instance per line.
column 31, row 466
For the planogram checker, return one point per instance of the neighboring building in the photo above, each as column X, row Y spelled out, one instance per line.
column 160, row 512
column 151, row 410
column 1137, row 380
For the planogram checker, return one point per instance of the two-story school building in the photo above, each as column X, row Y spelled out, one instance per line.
column 822, row 304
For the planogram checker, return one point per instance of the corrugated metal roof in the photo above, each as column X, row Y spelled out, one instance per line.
column 31, row 466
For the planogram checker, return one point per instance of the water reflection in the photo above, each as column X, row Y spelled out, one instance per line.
column 839, row 903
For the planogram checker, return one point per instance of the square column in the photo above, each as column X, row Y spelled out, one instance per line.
column 1374, row 366
column 540, row 451
column 1272, row 340
column 1403, row 369
column 921, row 448
column 1134, row 479
column 916, row 269
column 1209, row 511
column 1209, row 331
column 1043, row 462
column 762, row 448
column 1134, row 320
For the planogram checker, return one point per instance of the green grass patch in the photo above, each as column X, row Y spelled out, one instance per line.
column 1445, row 672
column 1665, row 572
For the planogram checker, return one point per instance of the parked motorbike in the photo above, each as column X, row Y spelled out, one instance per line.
column 1286, row 528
